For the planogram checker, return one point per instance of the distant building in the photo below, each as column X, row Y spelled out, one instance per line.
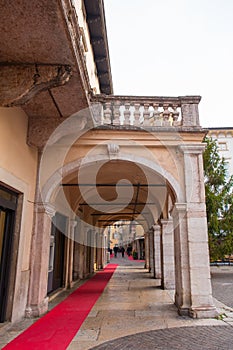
column 224, row 137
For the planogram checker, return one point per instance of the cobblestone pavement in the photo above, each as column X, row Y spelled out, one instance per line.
column 185, row 338
column 222, row 284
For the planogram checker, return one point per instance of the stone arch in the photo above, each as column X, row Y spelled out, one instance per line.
column 50, row 186
column 192, row 296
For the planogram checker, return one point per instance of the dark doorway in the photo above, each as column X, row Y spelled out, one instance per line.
column 57, row 253
column 8, row 204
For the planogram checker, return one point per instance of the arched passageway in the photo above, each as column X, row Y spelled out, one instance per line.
column 124, row 180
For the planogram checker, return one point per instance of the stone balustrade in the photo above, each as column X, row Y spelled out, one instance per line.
column 161, row 112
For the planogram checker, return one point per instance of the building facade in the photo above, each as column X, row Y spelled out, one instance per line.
column 224, row 138
column 75, row 158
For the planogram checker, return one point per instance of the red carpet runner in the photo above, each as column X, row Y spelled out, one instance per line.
column 137, row 260
column 56, row 329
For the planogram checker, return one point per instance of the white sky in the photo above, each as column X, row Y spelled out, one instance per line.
column 174, row 48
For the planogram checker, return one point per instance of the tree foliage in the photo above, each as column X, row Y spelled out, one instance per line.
column 219, row 202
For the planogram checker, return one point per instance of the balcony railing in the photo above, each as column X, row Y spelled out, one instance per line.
column 138, row 111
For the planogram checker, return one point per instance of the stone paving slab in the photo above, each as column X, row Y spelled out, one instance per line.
column 133, row 305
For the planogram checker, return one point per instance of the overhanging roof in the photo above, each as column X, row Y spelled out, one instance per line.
column 97, row 27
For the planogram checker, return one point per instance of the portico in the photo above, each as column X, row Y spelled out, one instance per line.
column 154, row 174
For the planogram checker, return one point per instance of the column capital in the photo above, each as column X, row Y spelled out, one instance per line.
column 166, row 221
column 179, row 208
column 192, row 149
column 47, row 208
column 156, row 227
column 73, row 223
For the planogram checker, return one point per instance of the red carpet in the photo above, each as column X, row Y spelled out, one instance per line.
column 56, row 329
column 137, row 260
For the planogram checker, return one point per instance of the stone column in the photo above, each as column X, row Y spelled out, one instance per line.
column 157, row 250
column 191, row 234
column 93, row 236
column 81, row 260
column 167, row 255
column 104, row 250
column 37, row 296
column 151, row 252
column 147, row 253
column 73, row 224
column 77, row 256
column 99, row 251
column 86, row 250
column 182, row 275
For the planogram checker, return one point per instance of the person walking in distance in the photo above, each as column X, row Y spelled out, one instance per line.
column 115, row 249
column 123, row 252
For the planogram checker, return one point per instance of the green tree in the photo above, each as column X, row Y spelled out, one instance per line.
column 219, row 202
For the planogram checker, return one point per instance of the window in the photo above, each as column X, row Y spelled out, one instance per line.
column 222, row 146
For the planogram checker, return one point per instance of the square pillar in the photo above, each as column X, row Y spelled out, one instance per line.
column 99, row 251
column 37, row 296
column 78, row 256
column 151, row 253
column 182, row 273
column 167, row 255
column 193, row 286
column 147, row 253
column 157, row 250
column 73, row 224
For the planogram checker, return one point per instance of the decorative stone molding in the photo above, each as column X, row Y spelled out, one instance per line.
column 113, row 150
column 192, row 149
column 179, row 208
column 156, row 228
column 20, row 82
column 73, row 224
column 45, row 208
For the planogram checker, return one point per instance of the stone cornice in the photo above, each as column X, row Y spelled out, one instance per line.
column 192, row 149
column 148, row 99
column 179, row 208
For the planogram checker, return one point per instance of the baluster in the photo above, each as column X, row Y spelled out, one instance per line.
column 156, row 115
column 175, row 116
column 137, row 114
column 166, row 115
column 127, row 114
column 116, row 113
column 146, row 115
column 107, row 113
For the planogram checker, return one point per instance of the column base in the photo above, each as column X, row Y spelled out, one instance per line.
column 183, row 311
column 199, row 312
column 203, row 312
column 152, row 274
column 168, row 285
column 37, row 310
